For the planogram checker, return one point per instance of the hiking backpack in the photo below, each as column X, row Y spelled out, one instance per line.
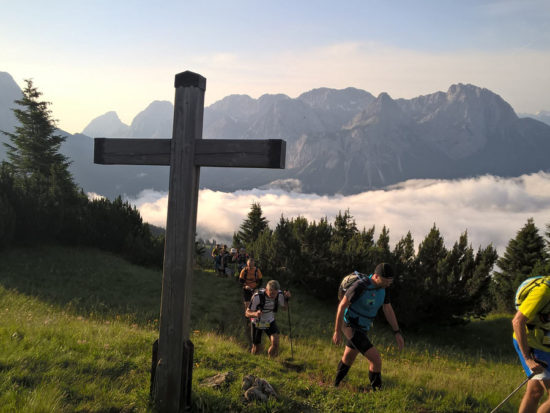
column 255, row 274
column 527, row 286
column 348, row 281
column 261, row 295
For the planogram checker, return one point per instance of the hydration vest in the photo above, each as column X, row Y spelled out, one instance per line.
column 261, row 296
column 362, row 311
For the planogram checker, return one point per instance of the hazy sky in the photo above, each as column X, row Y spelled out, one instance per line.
column 89, row 57
column 492, row 210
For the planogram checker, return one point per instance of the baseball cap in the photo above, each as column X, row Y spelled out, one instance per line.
column 384, row 269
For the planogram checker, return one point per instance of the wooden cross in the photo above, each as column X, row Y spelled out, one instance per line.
column 186, row 152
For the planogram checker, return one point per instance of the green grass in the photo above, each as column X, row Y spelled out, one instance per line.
column 77, row 327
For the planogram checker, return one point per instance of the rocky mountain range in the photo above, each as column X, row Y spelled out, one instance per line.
column 338, row 141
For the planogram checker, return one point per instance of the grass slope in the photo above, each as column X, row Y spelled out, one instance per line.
column 77, row 326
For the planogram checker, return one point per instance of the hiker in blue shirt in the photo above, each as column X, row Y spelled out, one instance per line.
column 354, row 317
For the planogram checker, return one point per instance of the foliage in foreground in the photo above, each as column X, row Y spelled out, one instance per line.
column 77, row 327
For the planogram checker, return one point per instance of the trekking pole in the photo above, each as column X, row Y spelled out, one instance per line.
column 290, row 330
column 514, row 392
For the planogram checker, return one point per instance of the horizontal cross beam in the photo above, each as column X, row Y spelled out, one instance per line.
column 241, row 153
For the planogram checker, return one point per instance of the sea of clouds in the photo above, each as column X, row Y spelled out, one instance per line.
column 491, row 209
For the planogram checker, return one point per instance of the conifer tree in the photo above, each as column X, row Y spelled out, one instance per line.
column 523, row 254
column 253, row 225
column 344, row 227
column 430, row 252
column 47, row 200
column 7, row 212
column 382, row 252
column 34, row 151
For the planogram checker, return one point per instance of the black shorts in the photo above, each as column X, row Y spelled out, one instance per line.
column 359, row 341
column 257, row 333
column 247, row 294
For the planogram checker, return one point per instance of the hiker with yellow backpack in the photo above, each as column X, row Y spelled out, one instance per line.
column 532, row 340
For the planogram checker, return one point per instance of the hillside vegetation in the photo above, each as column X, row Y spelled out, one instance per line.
column 77, row 327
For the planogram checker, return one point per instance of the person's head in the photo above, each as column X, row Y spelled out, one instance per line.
column 250, row 262
column 272, row 289
column 383, row 275
column 242, row 250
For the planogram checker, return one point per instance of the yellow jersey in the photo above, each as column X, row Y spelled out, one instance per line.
column 536, row 307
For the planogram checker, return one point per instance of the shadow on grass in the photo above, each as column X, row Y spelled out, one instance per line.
column 92, row 283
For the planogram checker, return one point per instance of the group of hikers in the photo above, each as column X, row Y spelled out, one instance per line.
column 228, row 262
column 359, row 304
column 260, row 305
column 354, row 317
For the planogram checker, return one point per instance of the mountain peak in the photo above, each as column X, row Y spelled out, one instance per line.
column 106, row 125
column 475, row 97
column 349, row 99
column 10, row 89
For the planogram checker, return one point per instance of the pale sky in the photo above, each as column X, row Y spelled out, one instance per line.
column 89, row 57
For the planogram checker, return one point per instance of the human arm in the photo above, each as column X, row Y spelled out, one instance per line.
column 392, row 321
column 285, row 296
column 519, row 324
column 253, row 314
column 337, row 336
column 252, row 311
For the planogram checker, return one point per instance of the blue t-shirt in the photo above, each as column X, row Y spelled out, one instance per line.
column 366, row 299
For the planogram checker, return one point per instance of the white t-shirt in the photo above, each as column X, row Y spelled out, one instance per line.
column 267, row 312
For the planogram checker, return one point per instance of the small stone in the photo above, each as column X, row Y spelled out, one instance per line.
column 219, row 380
column 17, row 336
column 248, row 382
column 255, row 393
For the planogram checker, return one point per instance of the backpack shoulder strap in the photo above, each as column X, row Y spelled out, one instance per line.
column 362, row 286
column 261, row 295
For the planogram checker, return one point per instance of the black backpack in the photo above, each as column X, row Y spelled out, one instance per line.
column 261, row 295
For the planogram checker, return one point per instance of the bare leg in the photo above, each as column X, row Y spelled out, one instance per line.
column 532, row 396
column 273, row 350
column 545, row 407
column 349, row 356
column 375, row 361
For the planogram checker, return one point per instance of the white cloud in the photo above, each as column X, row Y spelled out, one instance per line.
column 491, row 209
column 92, row 196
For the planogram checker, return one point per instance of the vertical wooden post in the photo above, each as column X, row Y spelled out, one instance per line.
column 175, row 351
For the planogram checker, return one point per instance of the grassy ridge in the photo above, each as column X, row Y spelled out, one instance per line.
column 77, row 325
